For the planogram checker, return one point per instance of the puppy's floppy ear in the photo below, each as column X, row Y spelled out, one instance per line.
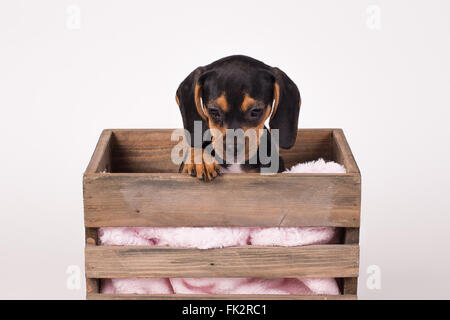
column 188, row 98
column 286, row 108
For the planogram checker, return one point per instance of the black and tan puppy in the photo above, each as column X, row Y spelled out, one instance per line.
column 237, row 92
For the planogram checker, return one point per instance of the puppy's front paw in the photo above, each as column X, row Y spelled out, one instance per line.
column 201, row 165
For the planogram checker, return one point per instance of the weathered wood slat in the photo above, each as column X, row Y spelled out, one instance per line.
column 342, row 153
column 169, row 200
column 91, row 236
column 335, row 261
column 350, row 286
column 351, row 236
column 148, row 151
column 100, row 296
column 92, row 285
column 101, row 158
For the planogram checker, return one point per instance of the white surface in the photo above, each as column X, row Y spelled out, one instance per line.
column 387, row 87
column 317, row 166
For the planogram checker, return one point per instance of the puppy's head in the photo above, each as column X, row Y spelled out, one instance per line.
column 237, row 95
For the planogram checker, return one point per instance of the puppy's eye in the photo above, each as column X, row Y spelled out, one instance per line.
column 214, row 113
column 255, row 113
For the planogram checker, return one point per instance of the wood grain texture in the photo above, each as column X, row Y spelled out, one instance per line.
column 143, row 151
column 311, row 144
column 232, row 200
column 342, row 152
column 147, row 151
column 91, row 236
column 167, row 199
column 101, row 158
column 351, row 236
column 216, row 297
column 91, row 239
column 141, row 188
column 92, row 286
column 247, row 261
column 350, row 285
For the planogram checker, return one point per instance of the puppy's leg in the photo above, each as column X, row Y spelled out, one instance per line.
column 200, row 164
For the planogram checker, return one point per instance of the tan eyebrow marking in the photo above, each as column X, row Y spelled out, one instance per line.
column 222, row 102
column 247, row 103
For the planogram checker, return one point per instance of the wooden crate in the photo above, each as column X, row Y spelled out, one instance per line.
column 131, row 181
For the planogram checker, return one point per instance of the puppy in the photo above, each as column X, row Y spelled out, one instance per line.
column 237, row 94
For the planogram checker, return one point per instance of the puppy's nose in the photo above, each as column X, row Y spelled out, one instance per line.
column 235, row 125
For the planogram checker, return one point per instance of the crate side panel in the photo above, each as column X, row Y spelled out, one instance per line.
column 101, row 158
column 335, row 261
column 169, row 200
column 311, row 144
column 342, row 153
column 143, row 151
column 350, row 285
column 146, row 151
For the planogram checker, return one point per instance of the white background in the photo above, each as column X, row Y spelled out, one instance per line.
column 384, row 81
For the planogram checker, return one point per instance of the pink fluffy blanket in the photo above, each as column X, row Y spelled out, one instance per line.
column 217, row 237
